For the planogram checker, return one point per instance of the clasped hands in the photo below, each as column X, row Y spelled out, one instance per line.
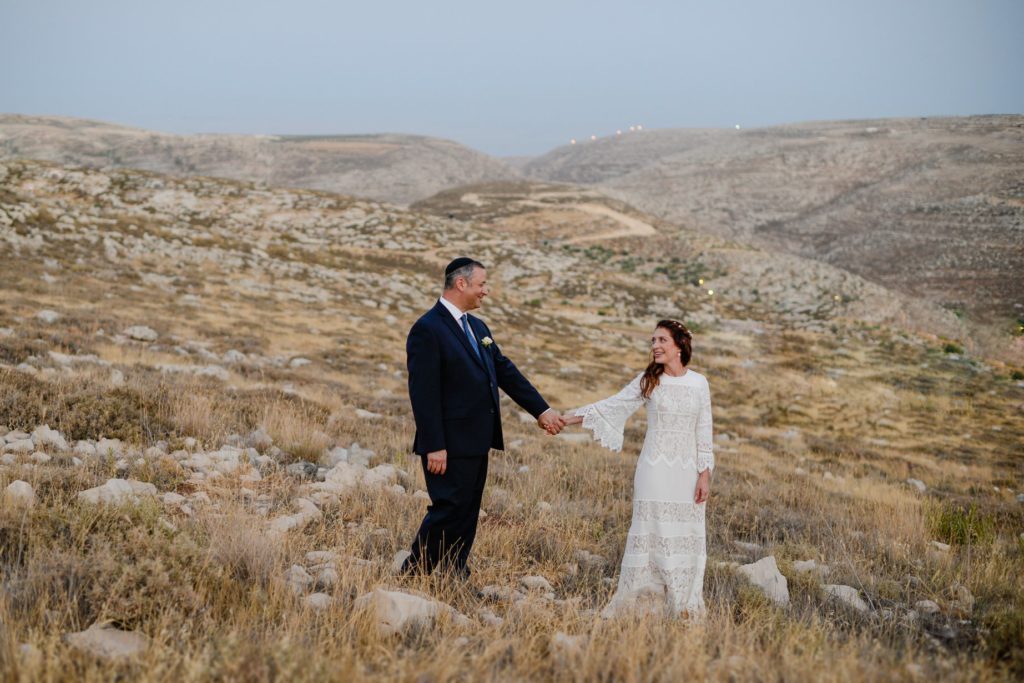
column 551, row 422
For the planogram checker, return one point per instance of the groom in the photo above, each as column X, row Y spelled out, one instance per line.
column 455, row 371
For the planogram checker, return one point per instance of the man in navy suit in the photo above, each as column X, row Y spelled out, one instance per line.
column 455, row 371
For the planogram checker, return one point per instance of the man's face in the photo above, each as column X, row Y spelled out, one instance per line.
column 473, row 290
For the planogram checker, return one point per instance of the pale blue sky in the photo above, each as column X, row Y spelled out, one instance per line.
column 506, row 78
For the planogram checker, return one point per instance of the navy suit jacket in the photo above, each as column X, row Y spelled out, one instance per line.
column 454, row 392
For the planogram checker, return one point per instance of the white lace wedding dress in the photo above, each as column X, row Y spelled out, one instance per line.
column 665, row 548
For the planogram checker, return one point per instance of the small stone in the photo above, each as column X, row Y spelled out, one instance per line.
column 367, row 415
column 299, row 362
column 490, row 618
column 421, row 495
column 44, row 436
column 800, row 472
column 298, row 579
column 848, row 595
column 317, row 602
column 302, row 470
column 107, row 642
column 20, row 446
column 544, row 506
column 537, row 583
column 927, row 607
column 19, row 494
column 398, row 561
column 321, row 557
column 918, row 485
column 938, row 545
column 141, row 333
column 40, row 458
column 327, row 578
column 48, row 317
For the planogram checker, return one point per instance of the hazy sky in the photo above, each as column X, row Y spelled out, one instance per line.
column 510, row 77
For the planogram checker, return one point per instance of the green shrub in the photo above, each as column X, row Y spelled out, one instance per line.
column 952, row 347
column 957, row 525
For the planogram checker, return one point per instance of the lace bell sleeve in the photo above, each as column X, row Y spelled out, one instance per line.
column 705, row 451
column 607, row 418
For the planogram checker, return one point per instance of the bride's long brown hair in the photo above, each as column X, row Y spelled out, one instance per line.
column 681, row 336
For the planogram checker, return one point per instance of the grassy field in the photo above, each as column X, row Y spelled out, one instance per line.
column 820, row 419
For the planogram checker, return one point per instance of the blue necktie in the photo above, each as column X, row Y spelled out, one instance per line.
column 472, row 339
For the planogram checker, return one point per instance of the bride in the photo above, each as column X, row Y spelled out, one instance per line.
column 665, row 548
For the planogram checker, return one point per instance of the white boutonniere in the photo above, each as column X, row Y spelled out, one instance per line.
column 486, row 341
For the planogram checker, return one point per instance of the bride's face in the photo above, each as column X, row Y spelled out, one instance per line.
column 663, row 346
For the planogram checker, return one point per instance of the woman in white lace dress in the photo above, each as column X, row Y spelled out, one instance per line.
column 665, row 548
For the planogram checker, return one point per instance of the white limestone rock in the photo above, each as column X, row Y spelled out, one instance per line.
column 19, row 494
column 308, row 512
column 396, row 611
column 318, row 602
column 917, row 484
column 847, row 595
column 765, row 575
column 107, row 642
column 536, row 583
column 20, row 446
column 48, row 317
column 298, row 579
column 117, row 491
column 45, row 437
column 141, row 333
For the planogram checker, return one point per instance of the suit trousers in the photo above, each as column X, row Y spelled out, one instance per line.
column 448, row 530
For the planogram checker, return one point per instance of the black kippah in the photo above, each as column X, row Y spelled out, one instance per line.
column 460, row 262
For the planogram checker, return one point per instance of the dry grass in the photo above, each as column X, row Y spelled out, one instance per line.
column 869, row 406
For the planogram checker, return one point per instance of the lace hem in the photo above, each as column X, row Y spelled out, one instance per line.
column 643, row 544
column 605, row 433
column 676, row 585
column 668, row 511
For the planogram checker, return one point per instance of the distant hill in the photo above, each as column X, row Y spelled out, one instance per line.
column 929, row 207
column 388, row 167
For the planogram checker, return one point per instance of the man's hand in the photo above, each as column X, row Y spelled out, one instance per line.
column 551, row 422
column 703, row 487
column 437, row 462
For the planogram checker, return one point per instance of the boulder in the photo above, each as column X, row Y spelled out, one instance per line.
column 765, row 575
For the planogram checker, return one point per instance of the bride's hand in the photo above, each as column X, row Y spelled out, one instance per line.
column 703, row 487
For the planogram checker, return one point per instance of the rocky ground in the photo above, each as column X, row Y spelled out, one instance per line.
column 205, row 470
column 932, row 208
column 391, row 167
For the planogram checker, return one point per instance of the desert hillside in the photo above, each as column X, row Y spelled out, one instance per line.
column 204, row 433
column 390, row 167
column 931, row 207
